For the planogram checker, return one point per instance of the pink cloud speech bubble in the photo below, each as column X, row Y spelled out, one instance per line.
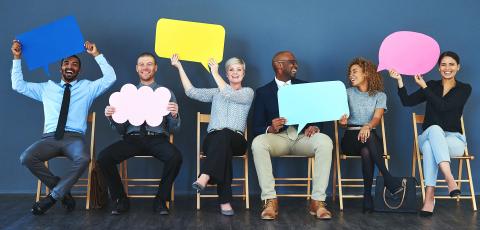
column 409, row 53
column 138, row 106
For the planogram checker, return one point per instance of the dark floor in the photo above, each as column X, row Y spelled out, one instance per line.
column 15, row 214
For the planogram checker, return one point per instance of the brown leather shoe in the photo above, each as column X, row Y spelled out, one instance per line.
column 270, row 209
column 319, row 209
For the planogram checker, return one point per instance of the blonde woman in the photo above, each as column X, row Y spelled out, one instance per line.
column 230, row 105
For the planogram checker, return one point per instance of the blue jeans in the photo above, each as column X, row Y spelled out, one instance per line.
column 438, row 146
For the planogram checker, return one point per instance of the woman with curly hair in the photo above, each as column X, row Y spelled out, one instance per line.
column 367, row 103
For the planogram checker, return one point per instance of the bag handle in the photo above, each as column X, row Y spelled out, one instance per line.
column 404, row 185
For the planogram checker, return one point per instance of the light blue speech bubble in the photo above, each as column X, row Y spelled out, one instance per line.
column 312, row 102
column 51, row 42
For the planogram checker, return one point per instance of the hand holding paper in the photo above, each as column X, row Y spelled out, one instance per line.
column 51, row 42
column 192, row 41
column 312, row 102
column 16, row 49
column 138, row 106
column 408, row 53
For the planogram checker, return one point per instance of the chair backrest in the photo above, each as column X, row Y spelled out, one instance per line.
column 419, row 119
column 203, row 119
column 91, row 119
column 384, row 138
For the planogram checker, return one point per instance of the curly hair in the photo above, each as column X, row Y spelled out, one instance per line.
column 373, row 78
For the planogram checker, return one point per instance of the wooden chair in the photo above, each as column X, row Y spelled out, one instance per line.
column 297, row 181
column 236, row 182
column 416, row 162
column 141, row 182
column 82, row 182
column 340, row 182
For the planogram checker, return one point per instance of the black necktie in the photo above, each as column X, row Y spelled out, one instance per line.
column 62, row 118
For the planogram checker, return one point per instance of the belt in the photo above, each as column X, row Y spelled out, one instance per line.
column 148, row 133
column 354, row 127
column 71, row 133
column 239, row 132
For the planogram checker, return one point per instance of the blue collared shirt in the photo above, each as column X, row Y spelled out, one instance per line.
column 83, row 92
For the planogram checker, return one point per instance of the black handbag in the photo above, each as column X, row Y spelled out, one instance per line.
column 404, row 201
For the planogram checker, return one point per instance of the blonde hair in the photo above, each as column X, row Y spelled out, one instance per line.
column 233, row 61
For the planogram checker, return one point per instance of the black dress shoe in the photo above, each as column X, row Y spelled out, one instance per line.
column 197, row 186
column 160, row 206
column 455, row 192
column 367, row 203
column 425, row 213
column 40, row 207
column 68, row 202
column 121, row 205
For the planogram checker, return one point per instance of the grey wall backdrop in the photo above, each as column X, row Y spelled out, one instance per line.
column 324, row 35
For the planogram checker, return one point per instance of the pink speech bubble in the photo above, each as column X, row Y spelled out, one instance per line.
column 138, row 106
column 408, row 53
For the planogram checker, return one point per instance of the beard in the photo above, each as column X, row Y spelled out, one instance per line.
column 69, row 77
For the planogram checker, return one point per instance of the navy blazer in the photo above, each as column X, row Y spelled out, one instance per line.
column 265, row 107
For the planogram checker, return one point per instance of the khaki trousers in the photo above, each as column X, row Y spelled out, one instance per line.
column 270, row 145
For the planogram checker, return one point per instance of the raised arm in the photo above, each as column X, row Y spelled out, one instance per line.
column 99, row 86
column 29, row 89
column 187, row 85
column 216, row 76
column 407, row 100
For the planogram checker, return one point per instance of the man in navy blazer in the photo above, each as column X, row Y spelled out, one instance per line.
column 274, row 138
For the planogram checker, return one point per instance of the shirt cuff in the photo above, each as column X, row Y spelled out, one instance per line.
column 16, row 63
column 100, row 58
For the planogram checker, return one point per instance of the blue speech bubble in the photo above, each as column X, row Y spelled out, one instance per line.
column 312, row 102
column 52, row 42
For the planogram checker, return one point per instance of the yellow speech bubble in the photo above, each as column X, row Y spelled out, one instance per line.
column 192, row 41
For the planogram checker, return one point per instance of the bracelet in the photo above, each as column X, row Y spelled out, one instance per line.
column 368, row 125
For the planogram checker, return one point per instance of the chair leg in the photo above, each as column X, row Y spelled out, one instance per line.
column 39, row 190
column 339, row 181
column 89, row 184
column 198, row 173
column 470, row 182
column 247, row 192
column 243, row 187
column 460, row 172
column 414, row 164
column 309, row 177
column 420, row 171
column 172, row 198
column 125, row 176
column 334, row 187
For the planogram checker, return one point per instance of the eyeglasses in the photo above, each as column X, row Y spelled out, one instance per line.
column 293, row 61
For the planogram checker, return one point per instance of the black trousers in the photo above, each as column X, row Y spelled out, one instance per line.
column 156, row 146
column 372, row 154
column 219, row 147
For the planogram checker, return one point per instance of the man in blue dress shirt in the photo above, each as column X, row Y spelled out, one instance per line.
column 65, row 105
